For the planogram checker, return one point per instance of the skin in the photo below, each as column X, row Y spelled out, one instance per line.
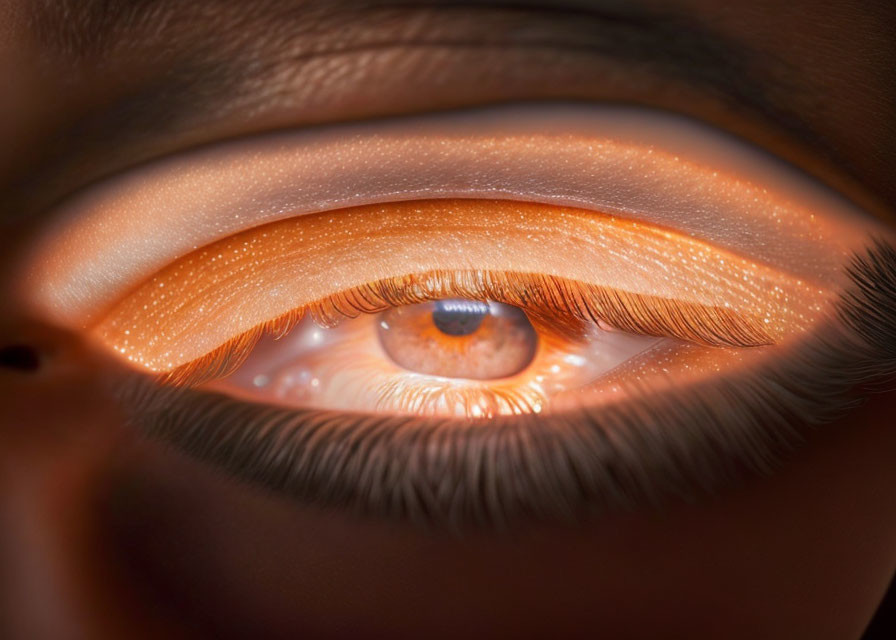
column 108, row 535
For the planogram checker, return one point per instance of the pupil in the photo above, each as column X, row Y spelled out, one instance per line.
column 457, row 317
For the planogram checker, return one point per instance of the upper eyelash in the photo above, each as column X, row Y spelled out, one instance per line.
column 562, row 305
column 564, row 466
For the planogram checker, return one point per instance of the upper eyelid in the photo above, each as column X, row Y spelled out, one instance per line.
column 197, row 198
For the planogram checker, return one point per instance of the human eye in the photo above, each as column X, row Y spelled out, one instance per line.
column 473, row 317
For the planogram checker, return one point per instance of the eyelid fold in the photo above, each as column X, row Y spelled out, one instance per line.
column 577, row 264
column 642, row 165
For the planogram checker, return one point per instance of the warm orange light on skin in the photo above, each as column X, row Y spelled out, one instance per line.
column 230, row 287
column 642, row 165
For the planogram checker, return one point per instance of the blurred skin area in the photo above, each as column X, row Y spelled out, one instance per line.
column 104, row 534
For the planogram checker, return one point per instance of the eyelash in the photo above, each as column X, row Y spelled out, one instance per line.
column 555, row 304
column 563, row 466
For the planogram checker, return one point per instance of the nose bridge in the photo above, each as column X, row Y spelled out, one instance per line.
column 43, row 591
column 58, row 433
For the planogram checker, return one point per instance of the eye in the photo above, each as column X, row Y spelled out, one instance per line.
column 231, row 293
column 450, row 357
column 572, row 306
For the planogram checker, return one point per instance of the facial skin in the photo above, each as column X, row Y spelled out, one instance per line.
column 107, row 534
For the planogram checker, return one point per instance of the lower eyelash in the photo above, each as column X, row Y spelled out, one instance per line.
column 461, row 474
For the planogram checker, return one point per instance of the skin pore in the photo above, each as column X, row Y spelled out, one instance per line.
column 108, row 534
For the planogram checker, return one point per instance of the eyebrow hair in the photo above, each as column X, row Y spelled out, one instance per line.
column 80, row 28
column 672, row 46
column 84, row 28
column 631, row 32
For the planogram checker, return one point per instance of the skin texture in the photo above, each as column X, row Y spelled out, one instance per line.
column 105, row 534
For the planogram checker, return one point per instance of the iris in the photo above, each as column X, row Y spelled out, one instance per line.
column 459, row 338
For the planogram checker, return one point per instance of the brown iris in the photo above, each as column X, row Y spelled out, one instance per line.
column 459, row 338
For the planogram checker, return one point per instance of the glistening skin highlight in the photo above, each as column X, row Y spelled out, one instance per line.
column 645, row 166
column 270, row 274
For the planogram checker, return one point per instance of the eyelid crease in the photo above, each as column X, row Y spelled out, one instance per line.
column 652, row 167
column 226, row 289
column 558, row 304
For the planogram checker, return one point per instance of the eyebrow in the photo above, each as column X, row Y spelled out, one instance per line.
column 671, row 46
column 676, row 42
